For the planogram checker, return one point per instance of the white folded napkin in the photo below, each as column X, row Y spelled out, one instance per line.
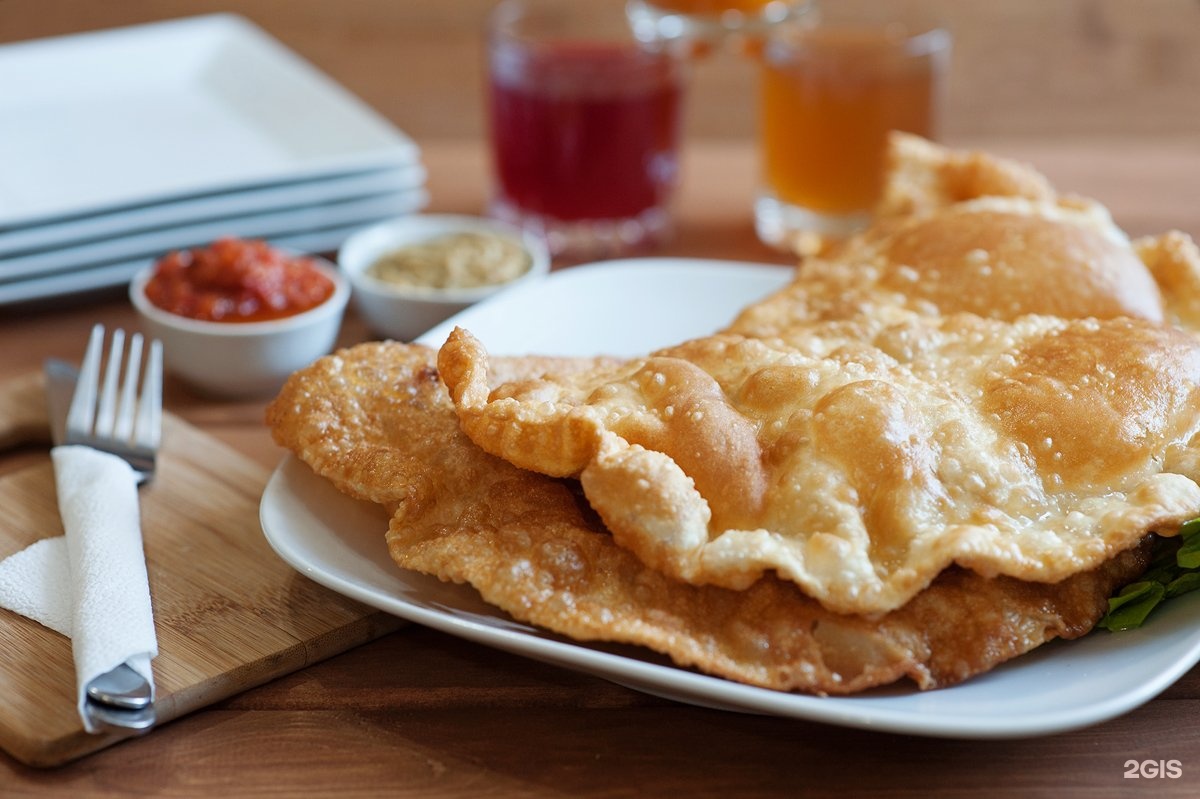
column 91, row 583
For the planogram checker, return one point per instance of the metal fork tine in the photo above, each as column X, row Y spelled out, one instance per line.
column 106, row 410
column 83, row 402
column 148, row 429
column 127, row 409
column 130, row 425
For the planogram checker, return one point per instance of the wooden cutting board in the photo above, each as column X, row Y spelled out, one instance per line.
column 229, row 613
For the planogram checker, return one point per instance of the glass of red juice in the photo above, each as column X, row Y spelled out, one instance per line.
column 585, row 124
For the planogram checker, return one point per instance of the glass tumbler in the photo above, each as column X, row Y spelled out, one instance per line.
column 705, row 23
column 830, row 91
column 585, row 125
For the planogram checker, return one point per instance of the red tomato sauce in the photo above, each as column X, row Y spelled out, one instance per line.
column 234, row 280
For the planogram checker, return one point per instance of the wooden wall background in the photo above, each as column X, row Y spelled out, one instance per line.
column 1036, row 68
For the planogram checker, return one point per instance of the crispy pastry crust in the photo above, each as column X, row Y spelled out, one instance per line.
column 942, row 445
column 532, row 547
column 983, row 377
column 859, row 463
column 964, row 231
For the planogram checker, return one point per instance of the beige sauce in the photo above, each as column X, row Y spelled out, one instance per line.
column 455, row 260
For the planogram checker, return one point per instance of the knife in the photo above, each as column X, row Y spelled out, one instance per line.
column 121, row 698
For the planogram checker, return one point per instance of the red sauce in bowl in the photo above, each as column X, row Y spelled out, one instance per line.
column 235, row 280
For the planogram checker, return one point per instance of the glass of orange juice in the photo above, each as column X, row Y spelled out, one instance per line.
column 708, row 21
column 830, row 91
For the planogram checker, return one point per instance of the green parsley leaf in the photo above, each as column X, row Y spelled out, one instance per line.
column 1130, row 608
column 1188, row 556
column 1174, row 570
column 1188, row 581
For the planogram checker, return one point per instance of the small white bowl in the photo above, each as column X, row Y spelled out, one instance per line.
column 243, row 359
column 403, row 313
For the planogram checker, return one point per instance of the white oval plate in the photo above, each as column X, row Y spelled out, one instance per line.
column 628, row 307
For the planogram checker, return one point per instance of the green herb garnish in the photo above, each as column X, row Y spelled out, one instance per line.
column 1188, row 555
column 1174, row 571
column 1189, row 581
column 1130, row 608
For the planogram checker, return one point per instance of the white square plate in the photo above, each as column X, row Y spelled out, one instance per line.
column 107, row 275
column 154, row 243
column 630, row 307
column 101, row 120
column 76, row 231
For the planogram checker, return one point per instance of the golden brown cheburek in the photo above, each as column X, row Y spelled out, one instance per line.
column 969, row 232
column 860, row 460
column 909, row 385
column 348, row 415
column 987, row 376
column 376, row 421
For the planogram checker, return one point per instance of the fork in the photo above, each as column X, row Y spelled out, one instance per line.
column 109, row 414
column 127, row 425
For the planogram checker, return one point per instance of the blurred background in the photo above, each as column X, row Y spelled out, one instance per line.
column 1022, row 68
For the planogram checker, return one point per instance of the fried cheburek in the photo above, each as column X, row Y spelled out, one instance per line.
column 984, row 377
column 859, row 464
column 378, row 423
column 969, row 232
column 897, row 398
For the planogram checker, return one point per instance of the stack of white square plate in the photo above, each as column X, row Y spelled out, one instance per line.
column 119, row 146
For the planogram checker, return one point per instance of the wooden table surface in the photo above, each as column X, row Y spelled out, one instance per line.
column 419, row 713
